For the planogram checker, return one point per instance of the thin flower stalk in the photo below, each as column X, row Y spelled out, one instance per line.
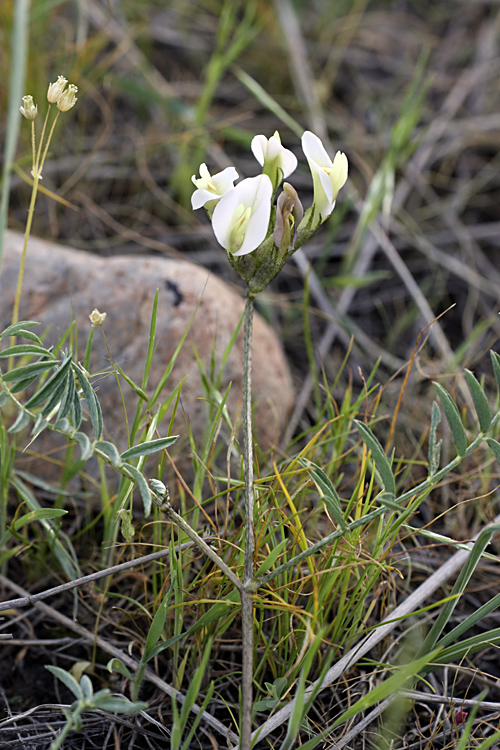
column 248, row 576
column 65, row 99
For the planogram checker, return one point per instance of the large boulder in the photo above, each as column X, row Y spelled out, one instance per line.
column 61, row 284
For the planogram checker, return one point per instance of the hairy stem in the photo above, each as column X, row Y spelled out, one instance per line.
column 246, row 596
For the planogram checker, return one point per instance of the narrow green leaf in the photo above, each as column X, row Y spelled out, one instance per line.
column 388, row 687
column 453, row 418
column 141, row 483
column 68, row 397
column 21, row 421
column 482, row 541
column 67, row 679
column 195, row 684
column 39, row 426
column 110, row 451
column 116, row 665
column 327, row 491
column 45, row 486
column 24, row 350
column 495, row 361
column 157, row 625
column 469, row 646
column 4, row 397
column 17, row 329
column 164, row 645
column 144, row 449
column 379, row 458
column 117, row 705
column 84, row 444
column 86, row 686
column 495, row 447
column 92, row 402
column 76, row 411
column 55, row 398
column 131, row 383
column 27, row 371
column 63, row 425
column 37, row 515
column 434, row 444
column 271, row 558
column 22, row 385
column 480, row 401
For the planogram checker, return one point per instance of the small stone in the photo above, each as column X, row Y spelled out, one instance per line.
column 60, row 282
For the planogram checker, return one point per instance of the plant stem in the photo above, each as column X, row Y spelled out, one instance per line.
column 246, row 596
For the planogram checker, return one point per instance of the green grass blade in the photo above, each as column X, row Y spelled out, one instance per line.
column 388, row 687
column 470, row 564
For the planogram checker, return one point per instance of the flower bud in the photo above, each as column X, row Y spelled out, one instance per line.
column 29, row 108
column 56, row 90
column 289, row 213
column 68, row 99
column 97, row 318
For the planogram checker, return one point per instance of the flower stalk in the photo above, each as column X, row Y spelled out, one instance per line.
column 248, row 575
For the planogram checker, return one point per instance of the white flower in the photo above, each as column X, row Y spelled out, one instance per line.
column 328, row 177
column 29, row 108
column 97, row 318
column 241, row 217
column 56, row 90
column 277, row 161
column 212, row 188
column 68, row 99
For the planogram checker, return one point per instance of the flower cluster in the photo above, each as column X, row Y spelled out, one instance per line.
column 65, row 98
column 258, row 237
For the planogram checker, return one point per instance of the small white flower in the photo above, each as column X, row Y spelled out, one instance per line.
column 277, row 161
column 328, row 177
column 29, row 108
column 241, row 217
column 56, row 90
column 212, row 188
column 97, row 318
column 68, row 99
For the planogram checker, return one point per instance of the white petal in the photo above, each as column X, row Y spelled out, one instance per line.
column 254, row 193
column 288, row 163
column 200, row 197
column 224, row 180
column 258, row 224
column 259, row 148
column 314, row 150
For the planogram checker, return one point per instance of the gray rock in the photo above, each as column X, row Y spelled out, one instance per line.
column 61, row 283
